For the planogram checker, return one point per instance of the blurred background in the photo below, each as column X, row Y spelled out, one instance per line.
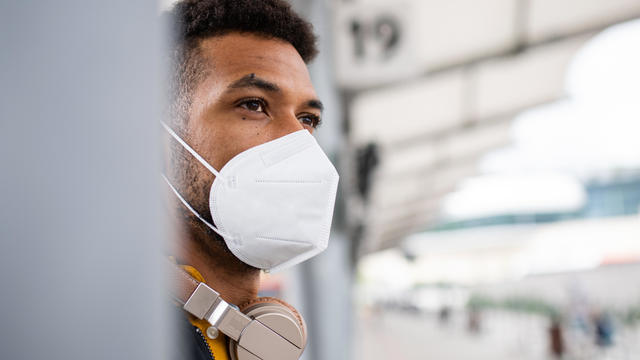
column 490, row 180
column 490, row 188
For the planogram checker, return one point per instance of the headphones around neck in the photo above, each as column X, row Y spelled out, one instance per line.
column 263, row 329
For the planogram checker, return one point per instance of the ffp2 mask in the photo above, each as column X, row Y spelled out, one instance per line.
column 273, row 203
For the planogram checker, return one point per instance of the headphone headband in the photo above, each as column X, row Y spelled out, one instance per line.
column 268, row 334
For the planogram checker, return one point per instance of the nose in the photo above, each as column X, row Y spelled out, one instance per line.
column 285, row 125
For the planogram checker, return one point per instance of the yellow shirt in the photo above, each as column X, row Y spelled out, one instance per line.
column 218, row 345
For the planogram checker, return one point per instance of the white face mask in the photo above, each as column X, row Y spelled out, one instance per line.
column 272, row 203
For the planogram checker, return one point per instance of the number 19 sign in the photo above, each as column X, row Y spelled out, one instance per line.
column 374, row 43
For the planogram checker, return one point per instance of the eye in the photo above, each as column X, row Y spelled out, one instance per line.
column 310, row 120
column 256, row 105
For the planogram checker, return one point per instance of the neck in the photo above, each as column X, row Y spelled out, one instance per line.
column 236, row 282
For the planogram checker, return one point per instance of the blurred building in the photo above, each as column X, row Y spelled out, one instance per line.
column 426, row 89
column 432, row 86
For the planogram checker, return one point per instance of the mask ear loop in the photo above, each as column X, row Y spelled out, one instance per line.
column 186, row 204
column 205, row 164
column 190, row 150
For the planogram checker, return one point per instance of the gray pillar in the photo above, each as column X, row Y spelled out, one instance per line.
column 327, row 280
column 80, row 229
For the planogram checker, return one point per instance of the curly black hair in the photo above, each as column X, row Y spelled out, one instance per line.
column 195, row 20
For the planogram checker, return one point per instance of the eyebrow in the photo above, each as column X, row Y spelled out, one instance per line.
column 316, row 104
column 252, row 81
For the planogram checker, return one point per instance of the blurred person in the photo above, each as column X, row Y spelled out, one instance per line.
column 444, row 315
column 604, row 329
column 474, row 321
column 556, row 339
column 251, row 189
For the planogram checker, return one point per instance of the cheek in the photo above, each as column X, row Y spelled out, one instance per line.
column 228, row 141
column 254, row 116
column 221, row 135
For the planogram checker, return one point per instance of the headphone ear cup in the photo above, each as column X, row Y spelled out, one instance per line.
column 276, row 314
column 252, row 305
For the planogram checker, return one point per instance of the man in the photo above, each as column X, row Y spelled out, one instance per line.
column 242, row 107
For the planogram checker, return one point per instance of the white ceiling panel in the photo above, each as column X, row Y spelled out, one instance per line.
column 548, row 19
column 421, row 107
column 401, row 161
column 507, row 85
column 404, row 189
column 477, row 140
column 464, row 144
column 425, row 35
column 454, row 31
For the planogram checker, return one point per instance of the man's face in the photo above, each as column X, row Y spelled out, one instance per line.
column 257, row 90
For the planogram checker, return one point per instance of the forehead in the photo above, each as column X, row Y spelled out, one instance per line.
column 235, row 55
